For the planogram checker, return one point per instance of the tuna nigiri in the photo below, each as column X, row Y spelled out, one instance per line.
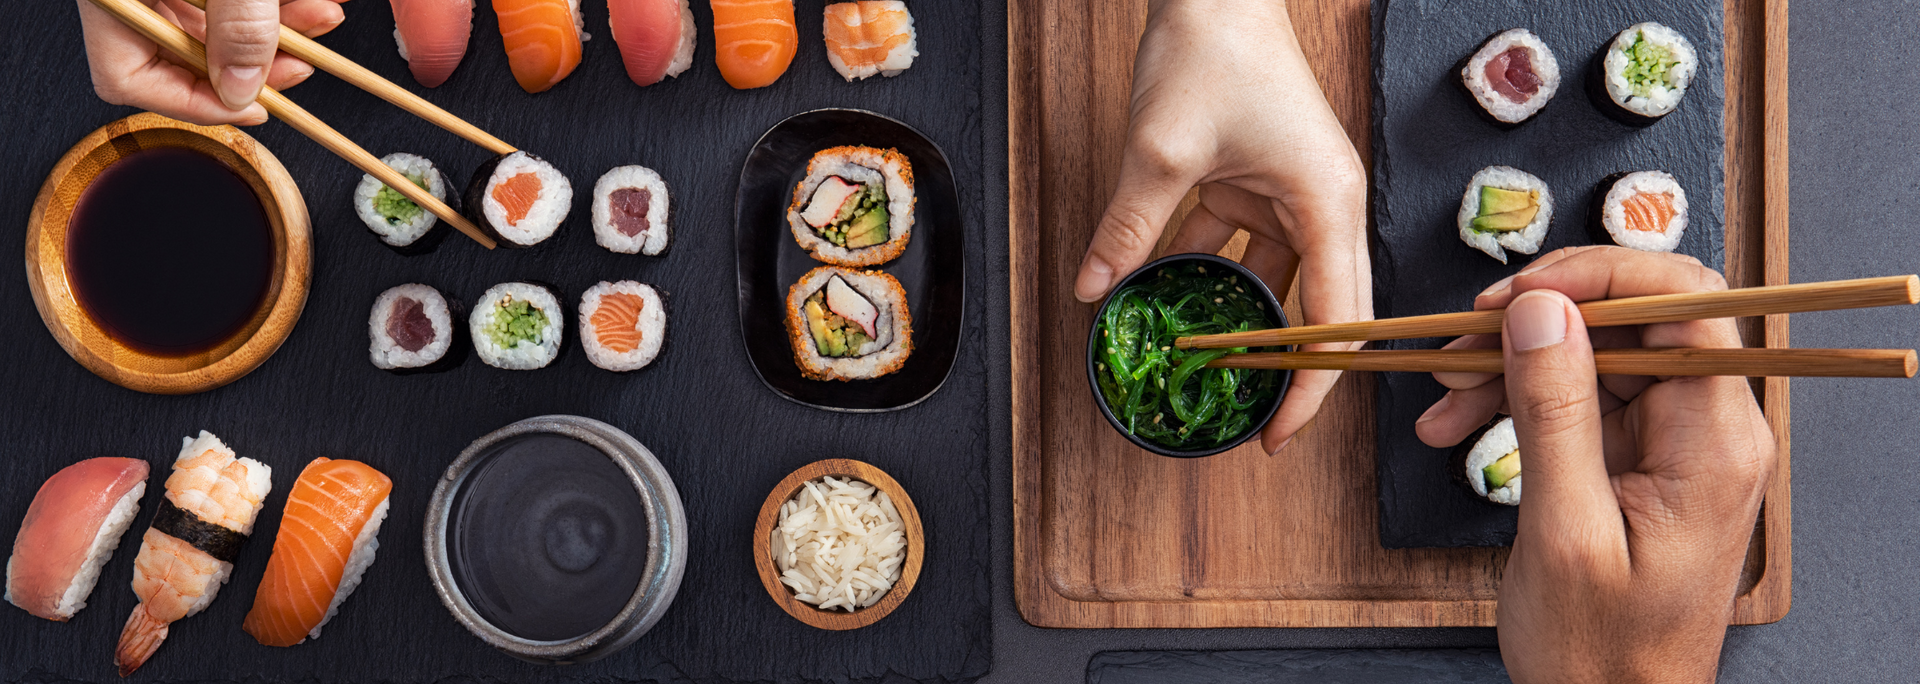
column 753, row 40
column 328, row 536
column 188, row 551
column 870, row 37
column 432, row 36
column 71, row 529
column 542, row 38
column 655, row 37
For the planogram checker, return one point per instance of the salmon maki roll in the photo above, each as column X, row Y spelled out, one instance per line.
column 328, row 535
column 870, row 37
column 622, row 325
column 655, row 37
column 753, row 40
column 518, row 199
column 1643, row 210
column 71, row 530
column 542, row 39
column 432, row 36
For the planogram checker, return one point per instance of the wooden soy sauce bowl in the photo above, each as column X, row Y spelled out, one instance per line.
column 125, row 365
column 836, row 619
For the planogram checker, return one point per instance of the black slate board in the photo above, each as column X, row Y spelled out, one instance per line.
column 1306, row 666
column 1429, row 139
column 724, row 437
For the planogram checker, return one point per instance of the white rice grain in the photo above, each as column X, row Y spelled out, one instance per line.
column 839, row 544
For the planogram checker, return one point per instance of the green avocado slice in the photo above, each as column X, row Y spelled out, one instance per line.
column 1500, row 472
column 1507, row 222
column 1501, row 200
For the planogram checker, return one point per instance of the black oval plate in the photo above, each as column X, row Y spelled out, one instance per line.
column 932, row 270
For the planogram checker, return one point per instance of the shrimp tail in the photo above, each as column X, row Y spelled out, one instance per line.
column 138, row 641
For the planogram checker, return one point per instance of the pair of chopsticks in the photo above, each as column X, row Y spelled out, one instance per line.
column 175, row 40
column 1755, row 301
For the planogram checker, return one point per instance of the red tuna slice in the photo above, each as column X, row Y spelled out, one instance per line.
column 648, row 33
column 408, row 325
column 60, row 526
column 1511, row 74
column 435, row 33
column 827, row 200
column 630, row 207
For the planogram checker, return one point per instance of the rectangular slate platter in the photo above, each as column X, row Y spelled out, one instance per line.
column 1300, row 666
column 1429, row 139
column 724, row 437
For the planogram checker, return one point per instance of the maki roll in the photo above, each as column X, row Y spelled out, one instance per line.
column 411, row 330
column 1643, row 73
column 1505, row 208
column 855, row 207
column 1511, row 76
column 622, row 324
column 630, row 211
column 1489, row 462
column 848, row 325
column 518, row 199
column 516, row 326
column 401, row 224
column 1643, row 210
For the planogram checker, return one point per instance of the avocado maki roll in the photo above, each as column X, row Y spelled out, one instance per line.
column 1511, row 76
column 1643, row 73
column 855, row 207
column 518, row 199
column 1505, row 208
column 404, row 226
column 848, row 325
column 516, row 326
column 412, row 330
column 1489, row 462
column 1643, row 210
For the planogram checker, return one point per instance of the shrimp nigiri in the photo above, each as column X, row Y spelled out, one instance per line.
column 753, row 40
column 432, row 36
column 870, row 37
column 188, row 551
column 72, row 528
column 655, row 37
column 328, row 536
column 542, row 38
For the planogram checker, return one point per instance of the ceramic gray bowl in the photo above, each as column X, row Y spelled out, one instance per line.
column 666, row 554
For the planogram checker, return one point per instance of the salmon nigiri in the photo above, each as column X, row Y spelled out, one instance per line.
column 542, row 38
column 655, row 37
column 870, row 37
column 432, row 36
column 327, row 539
column 72, row 528
column 753, row 40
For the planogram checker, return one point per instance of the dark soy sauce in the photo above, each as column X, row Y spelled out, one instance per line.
column 547, row 537
column 169, row 251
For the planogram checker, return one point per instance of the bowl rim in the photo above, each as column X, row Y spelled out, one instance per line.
column 91, row 346
column 1093, row 380
column 666, row 552
column 762, row 544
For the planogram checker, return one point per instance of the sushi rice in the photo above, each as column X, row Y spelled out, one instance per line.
column 510, row 336
column 1473, row 75
column 398, row 221
column 1498, row 441
column 544, row 215
column 612, row 349
column 1647, row 69
column 105, row 541
column 1614, row 214
column 389, row 354
column 1527, row 240
column 364, row 547
column 653, row 239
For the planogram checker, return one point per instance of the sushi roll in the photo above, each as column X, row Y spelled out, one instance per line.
column 411, row 330
column 870, row 37
column 542, row 38
column 655, row 37
column 329, row 532
column 432, row 36
column 855, row 207
column 1511, row 76
column 518, row 199
column 516, row 326
column 1642, row 74
column 622, row 325
column 848, row 325
column 71, row 530
column 1489, row 462
column 630, row 211
column 1643, row 210
column 1505, row 207
column 399, row 222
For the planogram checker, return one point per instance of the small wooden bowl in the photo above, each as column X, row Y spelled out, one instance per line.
column 131, row 368
column 836, row 619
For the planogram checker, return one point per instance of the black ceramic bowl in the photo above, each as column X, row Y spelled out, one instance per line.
column 1275, row 318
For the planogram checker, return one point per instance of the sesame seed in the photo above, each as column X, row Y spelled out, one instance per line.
column 1218, row 300
column 1239, row 290
column 1166, row 349
column 1202, row 269
column 1111, row 350
column 1156, row 418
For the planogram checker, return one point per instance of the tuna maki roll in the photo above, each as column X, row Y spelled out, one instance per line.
column 1511, row 76
column 1505, row 208
column 848, row 325
column 855, row 207
column 411, row 330
column 401, row 224
column 1643, row 210
column 630, row 211
column 518, row 199
column 622, row 325
column 1489, row 463
column 1643, row 73
column 516, row 326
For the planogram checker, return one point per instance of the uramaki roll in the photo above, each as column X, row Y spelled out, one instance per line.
column 848, row 325
column 855, row 207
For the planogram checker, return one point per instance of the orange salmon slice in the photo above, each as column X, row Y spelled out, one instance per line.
column 517, row 195
column 1649, row 212
column 617, row 322
column 326, row 509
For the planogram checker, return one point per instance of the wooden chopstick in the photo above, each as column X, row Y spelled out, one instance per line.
column 1800, row 363
column 1753, row 301
column 347, row 70
column 150, row 24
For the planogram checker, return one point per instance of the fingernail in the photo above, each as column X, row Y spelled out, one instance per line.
column 1094, row 280
column 1283, row 447
column 1498, row 287
column 1435, row 410
column 239, row 85
column 1536, row 320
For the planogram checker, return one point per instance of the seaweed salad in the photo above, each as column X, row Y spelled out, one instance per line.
column 1165, row 394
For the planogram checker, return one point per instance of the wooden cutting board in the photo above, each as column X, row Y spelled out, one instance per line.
column 1107, row 535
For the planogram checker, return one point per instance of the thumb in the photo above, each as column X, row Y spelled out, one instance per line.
column 242, row 36
column 1152, row 182
column 1554, row 394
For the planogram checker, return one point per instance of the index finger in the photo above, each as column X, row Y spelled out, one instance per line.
column 1615, row 273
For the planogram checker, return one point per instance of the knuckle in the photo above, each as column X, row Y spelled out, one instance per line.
column 1554, row 406
column 1130, row 229
column 254, row 37
column 1166, row 156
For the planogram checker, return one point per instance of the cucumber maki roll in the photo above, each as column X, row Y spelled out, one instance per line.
column 1643, row 73
column 404, row 226
column 1505, row 209
column 1511, row 76
column 516, row 326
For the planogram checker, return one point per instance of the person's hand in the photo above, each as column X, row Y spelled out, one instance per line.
column 1641, row 492
column 242, row 38
column 1238, row 114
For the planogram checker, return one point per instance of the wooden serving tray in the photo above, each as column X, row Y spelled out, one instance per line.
column 1108, row 535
